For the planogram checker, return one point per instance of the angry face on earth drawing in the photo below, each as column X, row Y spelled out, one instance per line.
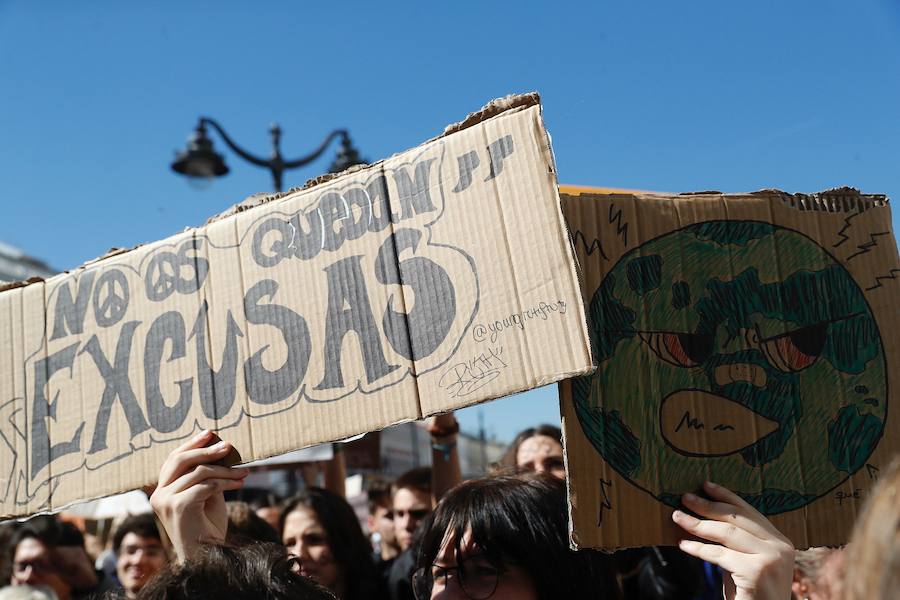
column 737, row 350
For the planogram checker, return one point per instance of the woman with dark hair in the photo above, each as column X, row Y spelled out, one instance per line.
column 321, row 529
column 648, row 573
column 505, row 537
column 246, row 527
column 536, row 449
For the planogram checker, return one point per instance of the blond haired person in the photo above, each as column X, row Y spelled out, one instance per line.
column 818, row 574
column 873, row 557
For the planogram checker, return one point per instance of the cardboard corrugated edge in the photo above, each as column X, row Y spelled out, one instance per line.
column 574, row 266
column 842, row 200
column 831, row 199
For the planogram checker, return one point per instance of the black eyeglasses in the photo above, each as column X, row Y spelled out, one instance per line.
column 476, row 576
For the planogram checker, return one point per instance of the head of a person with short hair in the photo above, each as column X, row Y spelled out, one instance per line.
column 536, row 449
column 505, row 537
column 245, row 526
column 818, row 573
column 321, row 529
column 140, row 553
column 381, row 521
column 7, row 531
column 238, row 573
column 265, row 503
column 412, row 502
column 33, row 556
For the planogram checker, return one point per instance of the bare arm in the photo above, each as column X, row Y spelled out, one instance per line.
column 445, row 468
column 335, row 472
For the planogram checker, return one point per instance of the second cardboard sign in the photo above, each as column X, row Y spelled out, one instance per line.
column 746, row 339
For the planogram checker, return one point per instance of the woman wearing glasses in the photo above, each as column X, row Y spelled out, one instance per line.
column 505, row 537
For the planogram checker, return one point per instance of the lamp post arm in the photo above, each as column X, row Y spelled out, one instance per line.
column 304, row 160
column 231, row 144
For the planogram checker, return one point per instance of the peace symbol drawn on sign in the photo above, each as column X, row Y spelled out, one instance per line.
column 111, row 297
column 165, row 273
column 162, row 276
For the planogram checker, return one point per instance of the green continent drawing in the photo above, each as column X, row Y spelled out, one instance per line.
column 735, row 351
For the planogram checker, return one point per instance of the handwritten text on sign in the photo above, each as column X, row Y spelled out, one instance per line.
column 171, row 346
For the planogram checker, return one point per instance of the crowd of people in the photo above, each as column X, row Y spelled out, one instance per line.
column 50, row 555
column 431, row 535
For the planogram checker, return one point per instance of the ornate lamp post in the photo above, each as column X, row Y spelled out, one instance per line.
column 199, row 159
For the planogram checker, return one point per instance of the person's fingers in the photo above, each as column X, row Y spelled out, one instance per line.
column 718, row 555
column 199, row 494
column 203, row 491
column 197, row 441
column 726, row 513
column 181, row 461
column 202, row 473
column 727, row 534
column 718, row 492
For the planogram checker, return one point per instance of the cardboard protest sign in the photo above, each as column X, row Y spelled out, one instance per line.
column 747, row 339
column 435, row 279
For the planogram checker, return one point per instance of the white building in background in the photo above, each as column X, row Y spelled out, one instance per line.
column 15, row 265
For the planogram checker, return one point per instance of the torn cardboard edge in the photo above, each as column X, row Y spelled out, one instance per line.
column 838, row 199
column 491, row 109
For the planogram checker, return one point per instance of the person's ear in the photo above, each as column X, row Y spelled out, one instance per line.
column 800, row 587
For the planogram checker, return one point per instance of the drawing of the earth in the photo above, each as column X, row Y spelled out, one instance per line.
column 721, row 358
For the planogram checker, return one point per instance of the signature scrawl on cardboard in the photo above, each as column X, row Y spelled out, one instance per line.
column 737, row 339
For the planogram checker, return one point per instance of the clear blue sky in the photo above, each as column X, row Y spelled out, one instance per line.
column 95, row 97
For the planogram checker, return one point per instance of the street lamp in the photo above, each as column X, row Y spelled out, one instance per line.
column 200, row 160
